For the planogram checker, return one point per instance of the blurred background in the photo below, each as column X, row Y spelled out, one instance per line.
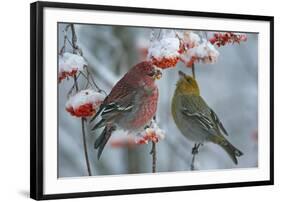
column 229, row 86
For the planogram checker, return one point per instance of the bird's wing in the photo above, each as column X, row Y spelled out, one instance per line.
column 195, row 107
column 218, row 122
column 112, row 110
column 121, row 104
column 120, row 99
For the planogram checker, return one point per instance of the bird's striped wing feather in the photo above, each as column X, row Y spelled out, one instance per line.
column 196, row 107
column 218, row 122
column 111, row 110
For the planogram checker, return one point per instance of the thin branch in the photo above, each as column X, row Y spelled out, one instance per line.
column 69, row 41
column 76, row 49
column 75, row 83
column 102, row 71
column 85, row 147
column 62, row 50
column 83, row 133
column 73, row 86
column 88, row 80
column 153, row 153
column 193, row 71
column 94, row 83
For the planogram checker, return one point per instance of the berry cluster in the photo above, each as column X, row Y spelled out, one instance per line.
column 221, row 39
column 84, row 103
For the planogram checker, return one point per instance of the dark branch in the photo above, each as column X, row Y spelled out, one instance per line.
column 193, row 71
column 154, row 159
column 76, row 49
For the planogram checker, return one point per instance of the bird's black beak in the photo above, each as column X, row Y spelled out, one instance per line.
column 181, row 74
column 157, row 74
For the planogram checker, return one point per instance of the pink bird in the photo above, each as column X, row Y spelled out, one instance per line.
column 131, row 104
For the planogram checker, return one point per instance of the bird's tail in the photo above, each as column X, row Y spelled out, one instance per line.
column 231, row 150
column 103, row 139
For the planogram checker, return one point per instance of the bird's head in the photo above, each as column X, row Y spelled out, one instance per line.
column 187, row 84
column 148, row 70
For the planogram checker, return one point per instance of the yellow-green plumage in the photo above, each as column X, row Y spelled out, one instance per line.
column 195, row 119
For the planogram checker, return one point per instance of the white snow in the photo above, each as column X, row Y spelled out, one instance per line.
column 204, row 52
column 158, row 131
column 69, row 61
column 85, row 97
column 165, row 47
column 191, row 39
column 154, row 131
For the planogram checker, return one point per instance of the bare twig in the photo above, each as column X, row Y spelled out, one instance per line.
column 76, row 49
column 62, row 50
column 83, row 133
column 87, row 79
column 94, row 83
column 73, row 86
column 75, row 83
column 193, row 71
column 85, row 147
column 153, row 153
column 102, row 71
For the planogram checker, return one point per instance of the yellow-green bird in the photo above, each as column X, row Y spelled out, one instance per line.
column 196, row 120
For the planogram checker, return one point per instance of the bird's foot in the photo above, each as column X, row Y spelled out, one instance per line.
column 195, row 149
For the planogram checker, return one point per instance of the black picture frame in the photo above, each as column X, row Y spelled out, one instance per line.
column 37, row 101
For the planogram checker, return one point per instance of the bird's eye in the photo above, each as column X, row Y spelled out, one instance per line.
column 189, row 80
column 151, row 73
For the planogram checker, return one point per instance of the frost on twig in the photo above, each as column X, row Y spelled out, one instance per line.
column 152, row 134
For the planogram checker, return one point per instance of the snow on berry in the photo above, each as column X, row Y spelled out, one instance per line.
column 221, row 39
column 205, row 53
column 164, row 52
column 152, row 133
column 84, row 103
column 190, row 39
column 70, row 64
